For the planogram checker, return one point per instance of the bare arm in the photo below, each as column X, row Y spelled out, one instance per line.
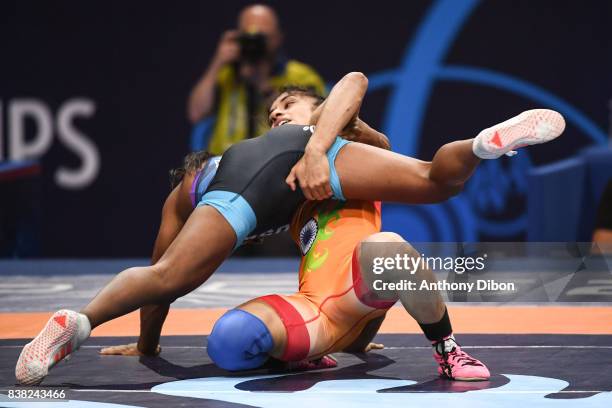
column 202, row 97
column 175, row 212
column 152, row 317
column 342, row 106
column 361, row 132
column 357, row 130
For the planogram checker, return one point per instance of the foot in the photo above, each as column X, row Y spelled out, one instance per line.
column 64, row 333
column 530, row 127
column 456, row 364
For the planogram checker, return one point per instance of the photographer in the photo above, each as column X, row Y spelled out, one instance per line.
column 248, row 66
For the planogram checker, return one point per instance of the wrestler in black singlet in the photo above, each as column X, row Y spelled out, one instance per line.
column 249, row 187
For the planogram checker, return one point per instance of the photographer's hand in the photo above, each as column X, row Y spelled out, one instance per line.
column 202, row 98
column 228, row 49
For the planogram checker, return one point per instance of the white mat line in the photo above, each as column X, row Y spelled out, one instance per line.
column 490, row 391
column 487, row 391
column 507, row 347
column 389, row 348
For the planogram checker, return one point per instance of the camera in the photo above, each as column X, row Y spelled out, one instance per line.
column 253, row 46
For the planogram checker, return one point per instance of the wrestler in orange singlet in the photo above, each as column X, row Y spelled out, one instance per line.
column 335, row 308
column 326, row 314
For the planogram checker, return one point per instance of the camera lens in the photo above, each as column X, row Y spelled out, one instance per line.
column 252, row 46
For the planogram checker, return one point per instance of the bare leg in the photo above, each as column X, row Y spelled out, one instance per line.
column 202, row 245
column 390, row 176
column 425, row 307
column 454, row 163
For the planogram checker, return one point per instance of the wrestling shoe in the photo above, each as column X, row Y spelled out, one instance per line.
column 63, row 334
column 456, row 364
column 320, row 363
column 531, row 127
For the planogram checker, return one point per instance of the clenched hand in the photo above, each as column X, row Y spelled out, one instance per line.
column 312, row 174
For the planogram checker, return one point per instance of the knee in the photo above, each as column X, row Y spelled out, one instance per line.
column 172, row 285
column 392, row 238
column 239, row 341
column 384, row 237
column 167, row 289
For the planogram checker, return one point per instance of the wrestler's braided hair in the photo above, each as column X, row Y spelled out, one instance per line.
column 191, row 163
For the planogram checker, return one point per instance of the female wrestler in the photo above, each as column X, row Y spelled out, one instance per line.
column 248, row 195
column 336, row 307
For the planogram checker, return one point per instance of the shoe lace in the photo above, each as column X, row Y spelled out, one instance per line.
column 465, row 359
column 458, row 356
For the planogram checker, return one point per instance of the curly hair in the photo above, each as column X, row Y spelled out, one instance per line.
column 191, row 163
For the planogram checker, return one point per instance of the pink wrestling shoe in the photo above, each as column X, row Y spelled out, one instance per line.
column 320, row 363
column 456, row 364
column 531, row 127
column 64, row 333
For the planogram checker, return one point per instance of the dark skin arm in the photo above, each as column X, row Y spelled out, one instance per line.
column 175, row 212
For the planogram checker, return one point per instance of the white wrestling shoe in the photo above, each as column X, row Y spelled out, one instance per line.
column 63, row 334
column 530, row 127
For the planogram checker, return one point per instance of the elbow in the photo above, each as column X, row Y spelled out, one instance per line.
column 357, row 78
column 194, row 115
column 192, row 118
column 197, row 109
